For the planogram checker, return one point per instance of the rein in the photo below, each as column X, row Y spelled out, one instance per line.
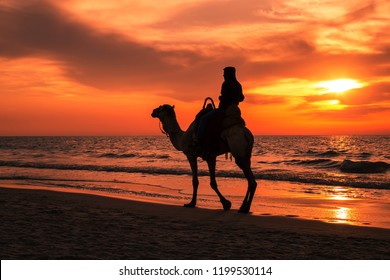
column 162, row 130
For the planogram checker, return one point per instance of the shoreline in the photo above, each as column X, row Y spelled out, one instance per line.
column 331, row 204
column 45, row 224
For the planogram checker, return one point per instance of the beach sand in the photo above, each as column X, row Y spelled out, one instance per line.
column 41, row 224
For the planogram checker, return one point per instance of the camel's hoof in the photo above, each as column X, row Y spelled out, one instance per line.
column 244, row 209
column 190, row 205
column 226, row 205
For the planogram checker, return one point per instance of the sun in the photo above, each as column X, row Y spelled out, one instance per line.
column 338, row 86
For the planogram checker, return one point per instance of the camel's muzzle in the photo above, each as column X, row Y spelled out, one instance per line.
column 154, row 113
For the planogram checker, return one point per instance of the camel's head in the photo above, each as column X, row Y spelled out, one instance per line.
column 163, row 111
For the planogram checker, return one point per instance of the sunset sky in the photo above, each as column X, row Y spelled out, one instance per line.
column 97, row 67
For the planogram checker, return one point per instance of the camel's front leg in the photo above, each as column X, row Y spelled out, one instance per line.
column 195, row 181
column 213, row 183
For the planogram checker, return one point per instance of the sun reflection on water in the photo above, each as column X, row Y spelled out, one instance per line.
column 342, row 214
column 340, row 197
column 338, row 193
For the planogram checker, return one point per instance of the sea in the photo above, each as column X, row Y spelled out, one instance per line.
column 149, row 168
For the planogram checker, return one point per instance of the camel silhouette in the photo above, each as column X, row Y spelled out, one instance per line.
column 238, row 140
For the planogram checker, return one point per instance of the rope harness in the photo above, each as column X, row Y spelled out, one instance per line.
column 162, row 130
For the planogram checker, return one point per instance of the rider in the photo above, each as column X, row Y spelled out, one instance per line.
column 231, row 93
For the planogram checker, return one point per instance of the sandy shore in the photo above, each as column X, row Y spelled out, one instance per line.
column 38, row 224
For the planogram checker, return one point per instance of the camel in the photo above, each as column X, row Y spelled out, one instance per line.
column 238, row 140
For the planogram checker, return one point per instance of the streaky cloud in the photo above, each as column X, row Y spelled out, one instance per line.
column 90, row 56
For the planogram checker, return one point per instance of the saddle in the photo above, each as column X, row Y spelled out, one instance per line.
column 232, row 117
column 225, row 119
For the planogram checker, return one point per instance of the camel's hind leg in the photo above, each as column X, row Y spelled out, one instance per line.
column 240, row 143
column 213, row 183
column 250, row 193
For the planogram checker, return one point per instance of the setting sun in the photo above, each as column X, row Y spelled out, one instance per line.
column 339, row 85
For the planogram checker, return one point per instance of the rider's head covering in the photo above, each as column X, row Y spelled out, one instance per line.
column 229, row 72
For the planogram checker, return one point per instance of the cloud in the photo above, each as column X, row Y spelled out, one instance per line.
column 361, row 13
column 226, row 12
column 108, row 61
column 112, row 61
column 323, row 66
column 355, row 104
column 263, row 99
column 105, row 60
column 352, row 113
column 372, row 94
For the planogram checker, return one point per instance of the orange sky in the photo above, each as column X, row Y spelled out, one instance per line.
column 97, row 67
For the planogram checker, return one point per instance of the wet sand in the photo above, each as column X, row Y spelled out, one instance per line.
column 41, row 224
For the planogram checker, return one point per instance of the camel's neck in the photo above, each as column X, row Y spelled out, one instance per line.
column 172, row 127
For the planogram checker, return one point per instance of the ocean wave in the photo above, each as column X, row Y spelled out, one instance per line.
column 349, row 166
column 364, row 155
column 330, row 153
column 158, row 156
column 346, row 166
column 328, row 163
column 131, row 155
column 112, row 155
column 98, row 168
column 317, row 177
column 321, row 179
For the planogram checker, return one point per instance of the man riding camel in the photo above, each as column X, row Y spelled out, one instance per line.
column 231, row 94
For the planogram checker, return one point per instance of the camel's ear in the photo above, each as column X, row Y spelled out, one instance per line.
column 173, row 106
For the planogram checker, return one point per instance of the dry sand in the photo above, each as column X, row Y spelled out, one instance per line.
column 38, row 224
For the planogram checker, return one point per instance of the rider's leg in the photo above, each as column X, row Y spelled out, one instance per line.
column 203, row 123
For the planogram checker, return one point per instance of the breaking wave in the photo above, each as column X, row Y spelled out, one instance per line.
column 349, row 166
